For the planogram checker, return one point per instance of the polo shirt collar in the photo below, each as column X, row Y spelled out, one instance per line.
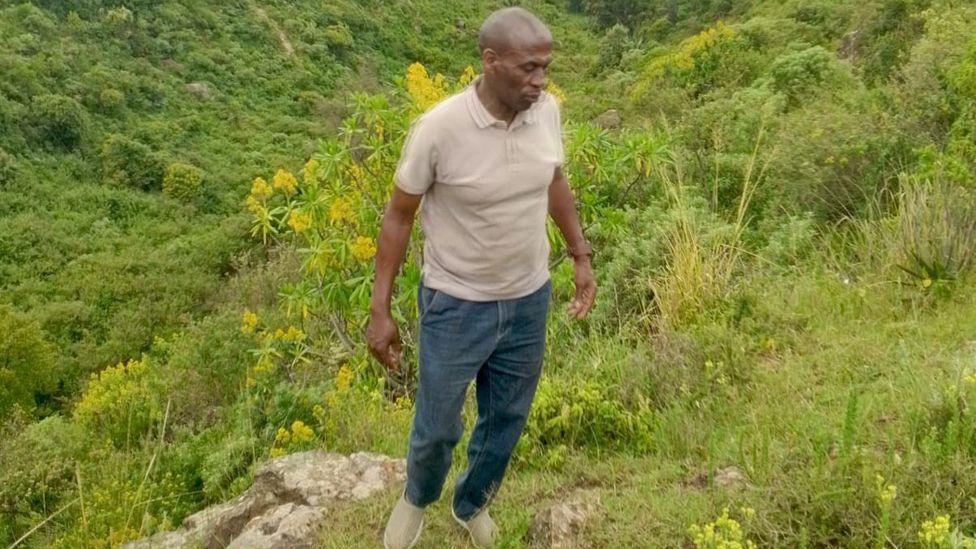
column 484, row 119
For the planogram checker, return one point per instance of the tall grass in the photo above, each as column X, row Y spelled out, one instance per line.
column 700, row 269
column 936, row 230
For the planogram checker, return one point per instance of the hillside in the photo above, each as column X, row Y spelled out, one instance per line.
column 785, row 229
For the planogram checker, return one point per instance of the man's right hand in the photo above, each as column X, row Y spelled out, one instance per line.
column 383, row 339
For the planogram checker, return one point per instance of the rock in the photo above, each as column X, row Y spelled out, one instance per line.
column 286, row 526
column 559, row 526
column 730, row 477
column 286, row 504
column 200, row 90
column 609, row 120
column 171, row 64
column 849, row 45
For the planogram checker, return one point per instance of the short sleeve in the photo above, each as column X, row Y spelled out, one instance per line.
column 416, row 168
column 557, row 131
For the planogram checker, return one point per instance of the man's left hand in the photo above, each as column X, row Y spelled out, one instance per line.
column 585, row 288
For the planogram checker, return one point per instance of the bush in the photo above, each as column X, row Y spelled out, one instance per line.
column 37, row 468
column 58, row 120
column 797, row 73
column 182, row 181
column 26, row 362
column 937, row 232
column 8, row 167
column 121, row 403
column 129, row 163
column 586, row 413
column 110, row 99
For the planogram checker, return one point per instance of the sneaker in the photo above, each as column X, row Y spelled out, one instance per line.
column 404, row 527
column 481, row 528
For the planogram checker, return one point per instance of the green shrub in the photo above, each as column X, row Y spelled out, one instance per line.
column 797, row 73
column 58, row 120
column 26, row 362
column 129, row 163
column 8, row 167
column 791, row 241
column 937, row 232
column 121, row 403
column 338, row 36
column 586, row 413
column 37, row 469
column 110, row 99
column 182, row 181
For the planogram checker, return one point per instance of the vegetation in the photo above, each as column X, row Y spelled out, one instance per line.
column 189, row 204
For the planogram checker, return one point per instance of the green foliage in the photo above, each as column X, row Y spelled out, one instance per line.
column 889, row 37
column 58, row 120
column 127, row 162
column 27, row 371
column 38, row 464
column 110, row 99
column 612, row 12
column 586, row 413
column 791, row 242
column 8, row 168
column 121, row 403
column 937, row 232
column 797, row 73
column 182, row 181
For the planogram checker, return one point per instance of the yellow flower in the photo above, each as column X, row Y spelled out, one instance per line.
column 253, row 205
column 557, row 93
column 311, row 172
column 248, row 322
column 363, row 248
column 298, row 221
column 467, row 76
column 285, row 182
column 260, row 189
column 263, row 365
column 355, row 172
column 340, row 211
column 343, row 378
column 724, row 532
column 276, row 453
column 885, row 492
column 970, row 379
column 935, row 533
column 424, row 90
column 301, row 432
column 292, row 335
column 282, row 437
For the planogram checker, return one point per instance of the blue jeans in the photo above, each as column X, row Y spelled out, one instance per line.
column 499, row 345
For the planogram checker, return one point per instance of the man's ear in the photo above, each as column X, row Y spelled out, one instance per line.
column 489, row 58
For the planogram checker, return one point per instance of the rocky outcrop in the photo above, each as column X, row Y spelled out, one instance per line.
column 560, row 525
column 200, row 90
column 609, row 120
column 287, row 504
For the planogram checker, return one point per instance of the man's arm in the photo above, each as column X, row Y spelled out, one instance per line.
column 562, row 209
column 381, row 332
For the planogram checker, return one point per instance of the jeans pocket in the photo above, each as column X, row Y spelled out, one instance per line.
column 427, row 301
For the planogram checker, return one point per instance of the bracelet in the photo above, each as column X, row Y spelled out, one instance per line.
column 582, row 250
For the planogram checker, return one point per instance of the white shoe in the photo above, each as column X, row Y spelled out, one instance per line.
column 405, row 525
column 481, row 528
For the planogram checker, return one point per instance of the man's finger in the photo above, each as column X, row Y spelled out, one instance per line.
column 584, row 302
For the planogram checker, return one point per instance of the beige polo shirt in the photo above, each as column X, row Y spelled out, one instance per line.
column 485, row 195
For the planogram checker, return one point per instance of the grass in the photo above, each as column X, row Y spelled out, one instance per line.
column 818, row 418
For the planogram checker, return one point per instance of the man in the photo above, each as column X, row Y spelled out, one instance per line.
column 487, row 164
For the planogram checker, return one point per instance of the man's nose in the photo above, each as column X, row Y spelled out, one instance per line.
column 538, row 78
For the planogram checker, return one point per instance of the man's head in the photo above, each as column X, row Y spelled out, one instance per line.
column 516, row 49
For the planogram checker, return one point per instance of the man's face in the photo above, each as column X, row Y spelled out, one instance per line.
column 518, row 74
